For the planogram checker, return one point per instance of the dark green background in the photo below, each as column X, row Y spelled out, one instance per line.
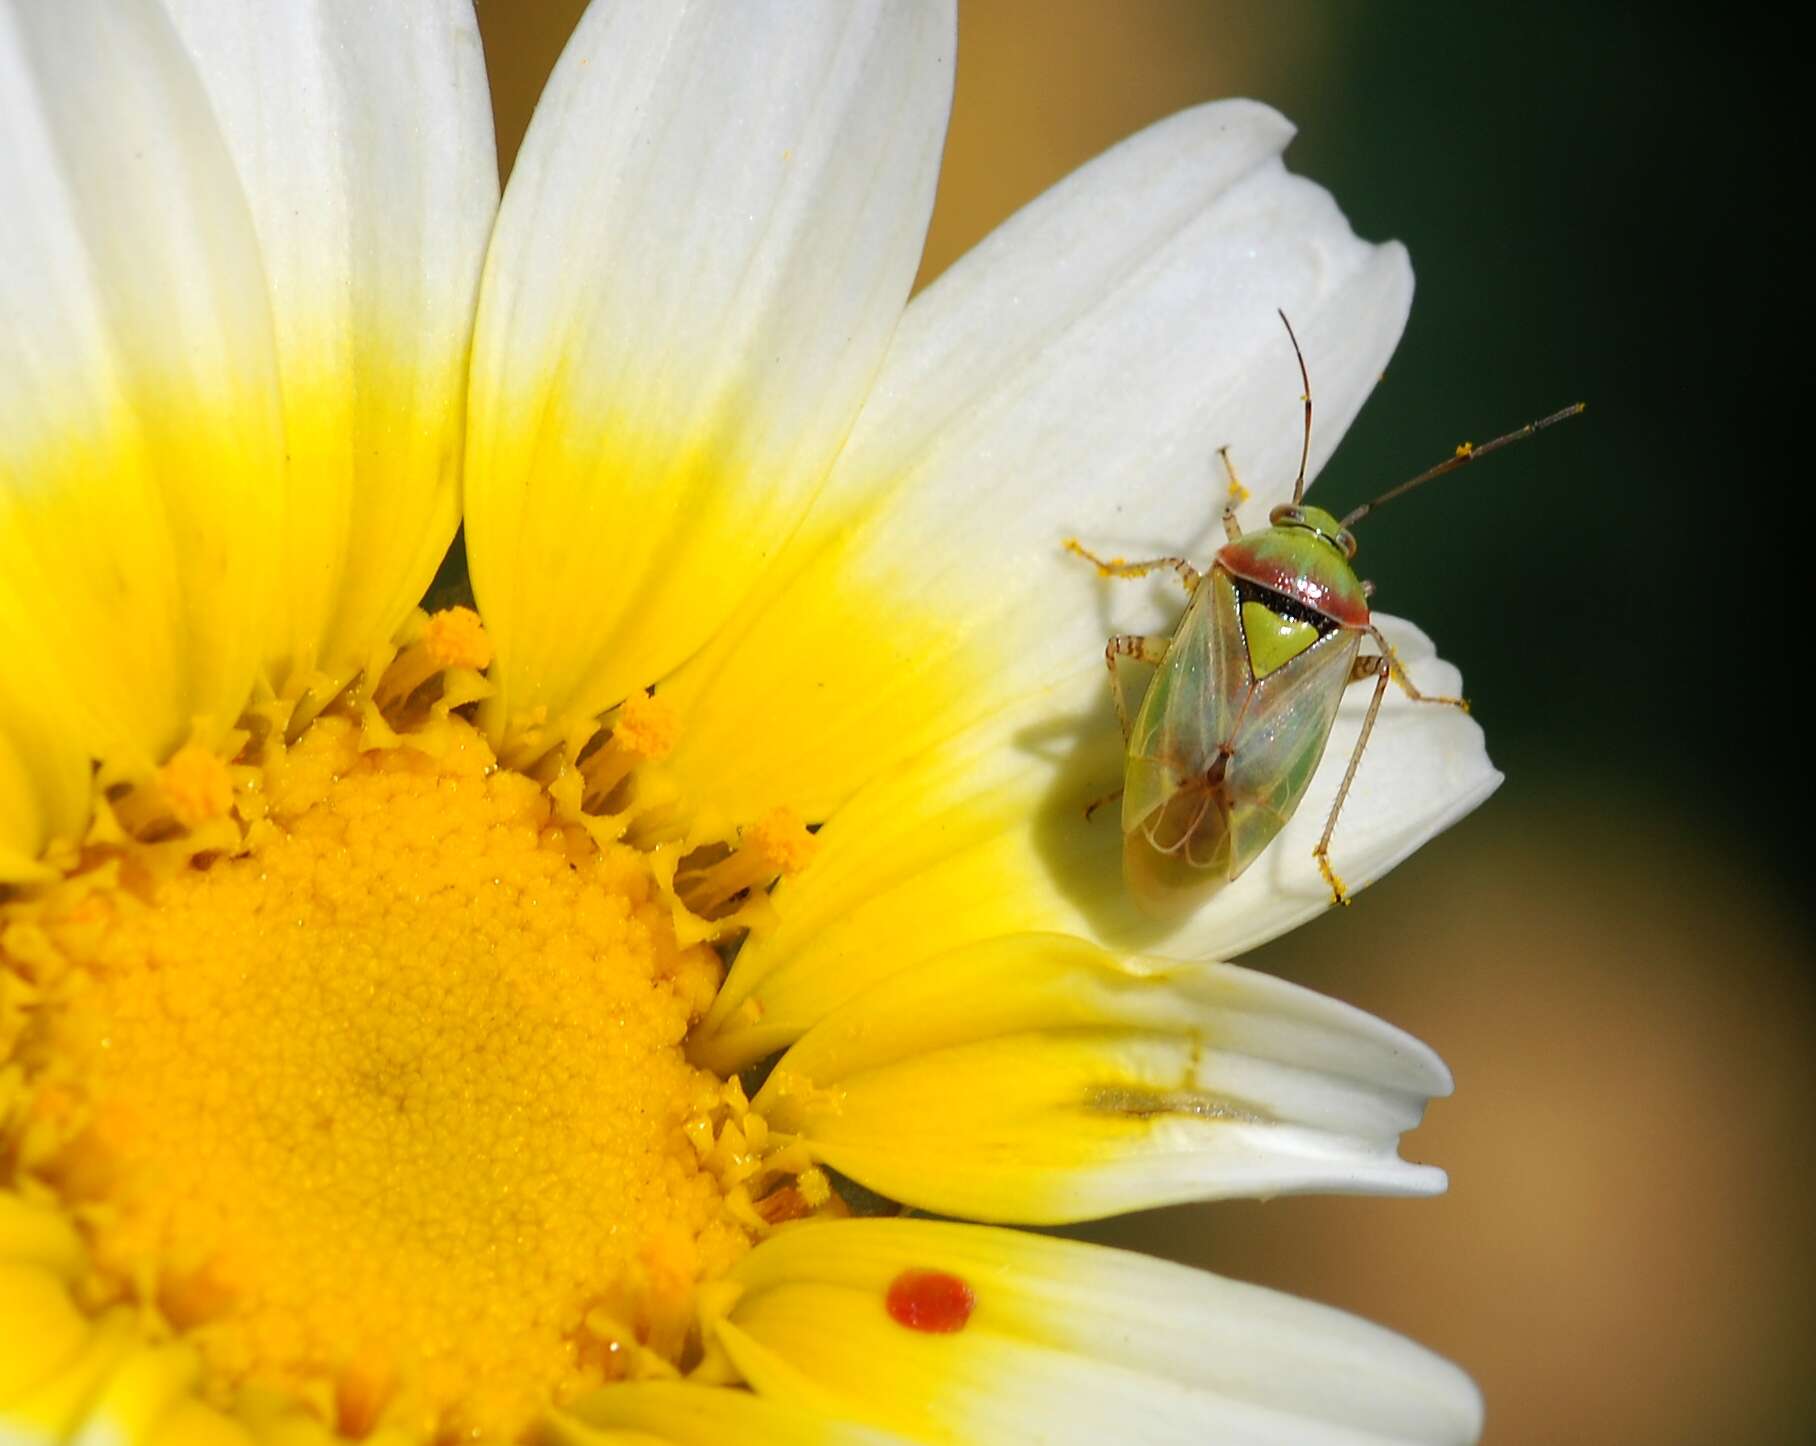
column 1591, row 198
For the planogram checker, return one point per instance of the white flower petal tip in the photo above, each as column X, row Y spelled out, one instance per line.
column 949, row 1332
column 697, row 269
column 1037, row 1079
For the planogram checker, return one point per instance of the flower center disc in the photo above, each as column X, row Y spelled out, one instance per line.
column 388, row 1111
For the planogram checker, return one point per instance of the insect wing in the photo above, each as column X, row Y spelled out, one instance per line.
column 1281, row 738
column 1190, row 708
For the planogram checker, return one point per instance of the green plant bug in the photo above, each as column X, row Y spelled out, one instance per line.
column 1245, row 691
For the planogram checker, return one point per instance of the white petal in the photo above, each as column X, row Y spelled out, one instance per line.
column 1075, row 375
column 1074, row 1343
column 1036, row 1079
column 362, row 135
column 140, row 453
column 704, row 250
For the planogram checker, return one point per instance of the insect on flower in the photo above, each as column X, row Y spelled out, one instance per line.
column 1246, row 689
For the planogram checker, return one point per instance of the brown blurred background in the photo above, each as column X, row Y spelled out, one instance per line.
column 1615, row 953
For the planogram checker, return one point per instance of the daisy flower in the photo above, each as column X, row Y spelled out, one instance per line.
column 556, row 1019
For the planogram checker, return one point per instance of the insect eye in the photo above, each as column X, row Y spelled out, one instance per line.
column 1285, row 512
column 1347, row 541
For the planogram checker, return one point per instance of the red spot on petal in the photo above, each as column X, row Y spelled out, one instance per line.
column 930, row 1300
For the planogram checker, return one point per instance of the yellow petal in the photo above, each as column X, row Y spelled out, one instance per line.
column 190, row 1423
column 44, row 1331
column 33, row 1234
column 680, row 1414
column 140, row 451
column 1038, row 1079
column 698, row 264
column 1060, row 1342
column 362, row 135
column 149, row 1386
column 57, row 1405
column 44, row 780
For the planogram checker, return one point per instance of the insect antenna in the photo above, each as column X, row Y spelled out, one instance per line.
column 1463, row 454
column 1305, row 447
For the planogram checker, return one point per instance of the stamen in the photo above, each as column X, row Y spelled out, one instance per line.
column 456, row 638
column 645, row 730
column 196, row 786
column 193, row 789
column 451, row 638
column 776, row 844
column 809, row 1193
column 647, row 727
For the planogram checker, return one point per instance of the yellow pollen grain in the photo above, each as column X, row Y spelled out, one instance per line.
column 781, row 840
column 815, row 1188
column 456, row 638
column 390, row 1107
column 646, row 727
column 196, row 786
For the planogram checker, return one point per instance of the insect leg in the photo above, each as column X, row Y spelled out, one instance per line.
column 1130, row 645
column 1399, row 675
column 1238, row 494
column 1116, row 567
column 1381, row 668
column 1097, row 803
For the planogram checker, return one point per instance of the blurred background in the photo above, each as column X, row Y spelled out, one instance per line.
column 1614, row 954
